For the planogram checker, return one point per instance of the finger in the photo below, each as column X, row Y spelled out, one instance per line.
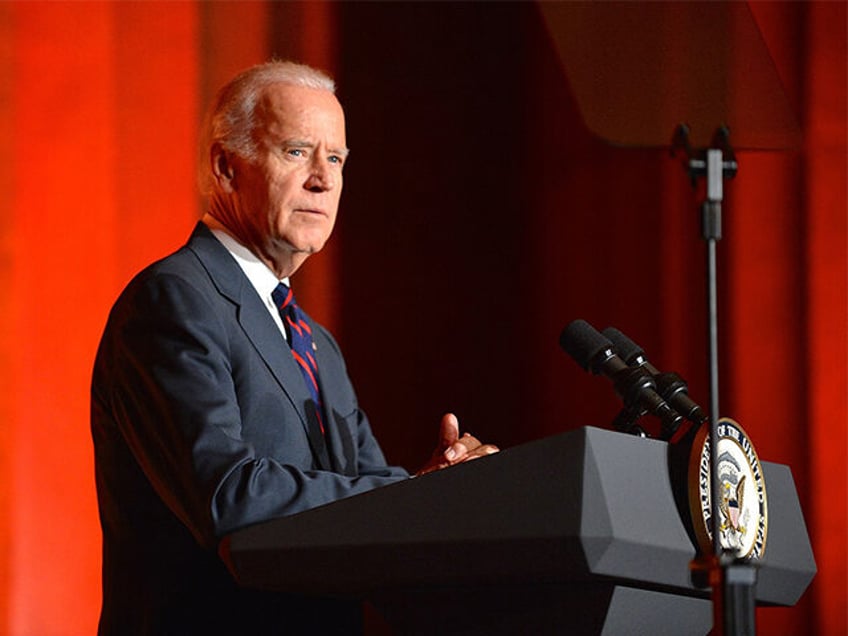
column 484, row 450
column 469, row 441
column 448, row 430
column 460, row 450
column 456, row 452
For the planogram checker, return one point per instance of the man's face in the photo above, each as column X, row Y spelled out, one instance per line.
column 284, row 203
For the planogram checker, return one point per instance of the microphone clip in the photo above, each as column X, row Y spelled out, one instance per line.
column 638, row 390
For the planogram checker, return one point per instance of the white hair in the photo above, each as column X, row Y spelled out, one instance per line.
column 232, row 116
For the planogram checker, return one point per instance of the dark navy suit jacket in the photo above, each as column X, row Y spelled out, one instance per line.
column 202, row 425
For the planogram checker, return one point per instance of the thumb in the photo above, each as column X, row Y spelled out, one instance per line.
column 448, row 430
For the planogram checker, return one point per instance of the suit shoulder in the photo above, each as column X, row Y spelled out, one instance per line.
column 180, row 268
column 201, row 263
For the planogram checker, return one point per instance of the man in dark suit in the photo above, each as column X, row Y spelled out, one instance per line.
column 216, row 402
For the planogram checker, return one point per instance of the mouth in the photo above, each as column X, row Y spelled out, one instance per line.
column 312, row 211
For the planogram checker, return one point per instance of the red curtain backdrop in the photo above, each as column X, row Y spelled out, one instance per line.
column 475, row 201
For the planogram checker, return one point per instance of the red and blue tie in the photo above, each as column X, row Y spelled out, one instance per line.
column 300, row 341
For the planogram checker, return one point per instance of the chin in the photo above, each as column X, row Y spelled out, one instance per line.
column 312, row 244
column 308, row 247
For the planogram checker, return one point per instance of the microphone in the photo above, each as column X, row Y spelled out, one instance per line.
column 634, row 385
column 669, row 385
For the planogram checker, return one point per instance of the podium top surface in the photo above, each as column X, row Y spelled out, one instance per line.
column 588, row 505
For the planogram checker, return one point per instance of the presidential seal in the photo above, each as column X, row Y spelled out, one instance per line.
column 742, row 508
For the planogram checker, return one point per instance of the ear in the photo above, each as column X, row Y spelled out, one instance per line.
column 222, row 168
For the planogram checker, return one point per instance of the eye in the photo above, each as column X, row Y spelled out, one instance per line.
column 296, row 152
column 335, row 159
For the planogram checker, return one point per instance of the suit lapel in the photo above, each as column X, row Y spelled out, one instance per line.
column 260, row 329
column 341, row 446
column 270, row 344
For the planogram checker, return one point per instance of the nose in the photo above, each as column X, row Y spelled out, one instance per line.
column 321, row 177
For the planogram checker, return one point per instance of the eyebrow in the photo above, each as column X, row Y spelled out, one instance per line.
column 298, row 143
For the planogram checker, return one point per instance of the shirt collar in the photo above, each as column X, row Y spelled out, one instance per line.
column 257, row 272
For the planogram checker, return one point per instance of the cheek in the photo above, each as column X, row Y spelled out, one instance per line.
column 281, row 192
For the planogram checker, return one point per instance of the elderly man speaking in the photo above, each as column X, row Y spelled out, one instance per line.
column 216, row 401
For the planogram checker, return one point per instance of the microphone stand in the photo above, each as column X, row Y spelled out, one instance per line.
column 733, row 580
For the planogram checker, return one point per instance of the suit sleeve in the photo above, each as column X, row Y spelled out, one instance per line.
column 165, row 376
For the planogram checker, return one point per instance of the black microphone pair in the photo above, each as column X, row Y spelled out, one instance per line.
column 642, row 387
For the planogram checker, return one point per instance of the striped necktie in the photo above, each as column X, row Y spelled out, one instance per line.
column 300, row 341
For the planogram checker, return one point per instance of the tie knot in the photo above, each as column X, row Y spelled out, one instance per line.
column 283, row 296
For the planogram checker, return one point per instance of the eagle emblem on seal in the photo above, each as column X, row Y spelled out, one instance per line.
column 732, row 500
column 741, row 512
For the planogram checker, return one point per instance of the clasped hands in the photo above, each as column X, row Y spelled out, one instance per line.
column 453, row 449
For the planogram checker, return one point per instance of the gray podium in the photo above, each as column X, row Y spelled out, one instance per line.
column 578, row 533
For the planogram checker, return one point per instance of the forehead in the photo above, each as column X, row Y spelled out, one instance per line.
column 284, row 110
